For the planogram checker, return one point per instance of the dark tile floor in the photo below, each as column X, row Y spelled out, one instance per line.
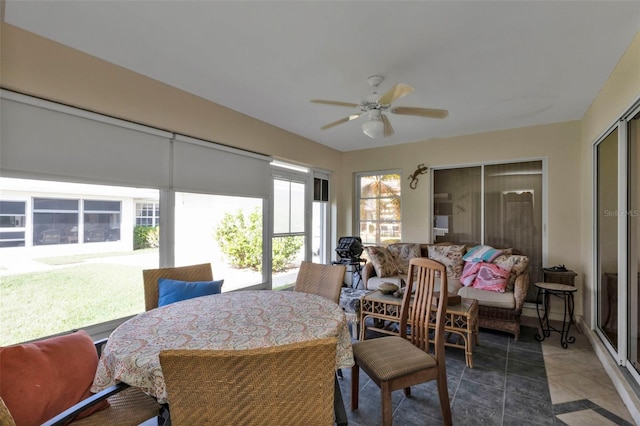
column 507, row 386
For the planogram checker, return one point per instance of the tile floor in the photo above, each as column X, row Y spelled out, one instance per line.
column 523, row 382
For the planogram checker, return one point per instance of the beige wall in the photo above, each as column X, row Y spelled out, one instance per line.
column 616, row 95
column 557, row 143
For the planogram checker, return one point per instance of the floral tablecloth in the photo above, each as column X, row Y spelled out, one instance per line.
column 235, row 320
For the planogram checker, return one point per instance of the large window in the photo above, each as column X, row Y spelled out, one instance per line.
column 56, row 282
column 495, row 204
column 222, row 230
column 75, row 265
column 379, row 212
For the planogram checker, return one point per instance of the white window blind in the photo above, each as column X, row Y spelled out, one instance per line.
column 40, row 139
column 44, row 140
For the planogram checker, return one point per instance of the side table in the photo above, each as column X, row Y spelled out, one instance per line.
column 461, row 320
column 565, row 292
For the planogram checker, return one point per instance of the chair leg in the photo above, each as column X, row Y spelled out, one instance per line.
column 355, row 386
column 443, row 395
column 407, row 391
column 387, row 408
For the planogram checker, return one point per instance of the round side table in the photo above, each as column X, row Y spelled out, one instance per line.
column 565, row 292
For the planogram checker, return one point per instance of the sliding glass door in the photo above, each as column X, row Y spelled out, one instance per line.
column 617, row 220
column 495, row 204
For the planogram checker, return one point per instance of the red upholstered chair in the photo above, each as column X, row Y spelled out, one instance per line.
column 48, row 382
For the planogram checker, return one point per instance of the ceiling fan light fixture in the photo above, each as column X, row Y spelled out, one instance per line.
column 373, row 128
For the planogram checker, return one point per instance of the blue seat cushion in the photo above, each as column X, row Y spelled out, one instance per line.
column 170, row 291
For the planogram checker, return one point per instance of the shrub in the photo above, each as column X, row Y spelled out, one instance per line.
column 240, row 239
column 146, row 237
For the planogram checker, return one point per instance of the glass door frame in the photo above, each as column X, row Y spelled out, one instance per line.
column 621, row 354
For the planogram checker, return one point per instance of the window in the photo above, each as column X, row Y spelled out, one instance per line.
column 12, row 223
column 101, row 221
column 319, row 220
column 99, row 281
column 222, row 230
column 91, row 229
column 54, row 221
column 148, row 214
column 288, row 242
column 496, row 204
column 379, row 208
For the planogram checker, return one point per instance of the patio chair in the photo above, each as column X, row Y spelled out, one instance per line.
column 399, row 362
column 200, row 272
column 50, row 236
column 322, row 280
column 47, row 382
column 290, row 384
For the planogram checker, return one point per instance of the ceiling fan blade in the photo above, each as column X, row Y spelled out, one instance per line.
column 421, row 112
column 396, row 92
column 388, row 130
column 342, row 120
column 338, row 103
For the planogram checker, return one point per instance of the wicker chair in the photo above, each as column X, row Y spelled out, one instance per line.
column 398, row 362
column 200, row 272
column 5, row 416
column 323, row 280
column 281, row 385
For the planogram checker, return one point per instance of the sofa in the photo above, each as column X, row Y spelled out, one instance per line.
column 500, row 300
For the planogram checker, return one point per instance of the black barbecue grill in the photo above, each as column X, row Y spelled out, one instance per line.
column 349, row 250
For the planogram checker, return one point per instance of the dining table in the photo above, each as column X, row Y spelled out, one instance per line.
column 234, row 320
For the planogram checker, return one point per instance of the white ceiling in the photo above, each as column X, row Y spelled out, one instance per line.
column 493, row 65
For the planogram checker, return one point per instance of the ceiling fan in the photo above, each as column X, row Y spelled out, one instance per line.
column 374, row 106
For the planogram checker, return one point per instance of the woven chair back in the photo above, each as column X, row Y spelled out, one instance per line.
column 323, row 280
column 281, row 385
column 200, row 272
column 427, row 307
column 5, row 417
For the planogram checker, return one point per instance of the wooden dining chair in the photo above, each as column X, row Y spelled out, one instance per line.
column 290, row 384
column 399, row 362
column 199, row 272
column 323, row 280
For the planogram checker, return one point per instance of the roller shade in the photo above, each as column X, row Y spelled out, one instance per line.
column 69, row 144
column 45, row 140
column 205, row 167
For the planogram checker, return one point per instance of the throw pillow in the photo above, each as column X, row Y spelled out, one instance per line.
column 403, row 253
column 469, row 273
column 481, row 253
column 42, row 379
column 450, row 256
column 170, row 291
column 517, row 264
column 491, row 277
column 383, row 261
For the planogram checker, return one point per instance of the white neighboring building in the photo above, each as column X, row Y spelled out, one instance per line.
column 44, row 218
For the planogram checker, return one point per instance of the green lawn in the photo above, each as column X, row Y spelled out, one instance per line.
column 43, row 303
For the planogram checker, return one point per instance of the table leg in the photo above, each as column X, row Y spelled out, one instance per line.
column 543, row 299
column 565, row 339
column 338, row 405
